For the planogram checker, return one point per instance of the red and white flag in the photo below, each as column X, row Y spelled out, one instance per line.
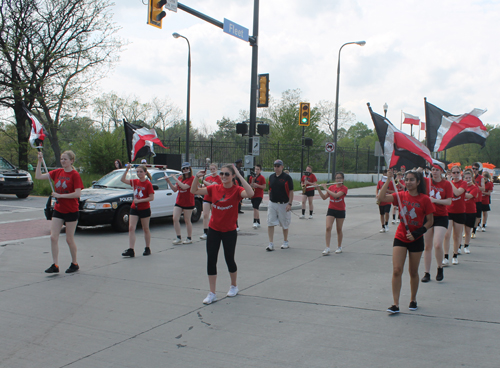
column 411, row 119
column 140, row 140
column 37, row 134
column 422, row 125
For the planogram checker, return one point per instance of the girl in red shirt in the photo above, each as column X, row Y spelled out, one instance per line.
column 471, row 194
column 308, row 180
column 485, row 206
column 68, row 187
column 211, row 179
column 416, row 212
column 184, row 202
column 222, row 227
column 140, row 209
column 336, row 210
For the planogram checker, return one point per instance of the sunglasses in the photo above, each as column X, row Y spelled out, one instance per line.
column 455, row 172
column 277, row 165
column 185, row 168
column 475, row 168
column 225, row 173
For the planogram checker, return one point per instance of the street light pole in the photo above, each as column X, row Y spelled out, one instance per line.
column 386, row 107
column 360, row 43
column 176, row 35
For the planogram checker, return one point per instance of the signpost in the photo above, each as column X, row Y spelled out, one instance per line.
column 329, row 147
column 256, row 146
column 171, row 5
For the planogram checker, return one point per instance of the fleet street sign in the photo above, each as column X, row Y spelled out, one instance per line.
column 235, row 30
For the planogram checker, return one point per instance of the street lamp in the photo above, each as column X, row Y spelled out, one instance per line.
column 360, row 43
column 176, row 35
column 386, row 107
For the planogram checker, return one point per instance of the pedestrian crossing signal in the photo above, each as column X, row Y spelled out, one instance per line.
column 305, row 114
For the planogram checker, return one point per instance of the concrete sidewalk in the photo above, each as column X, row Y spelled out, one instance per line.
column 295, row 308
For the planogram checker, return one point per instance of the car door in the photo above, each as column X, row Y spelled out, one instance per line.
column 163, row 204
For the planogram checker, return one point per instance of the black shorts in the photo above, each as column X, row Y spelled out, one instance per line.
column 440, row 221
column 384, row 209
column 309, row 193
column 459, row 218
column 140, row 213
column 67, row 217
column 336, row 213
column 185, row 208
column 470, row 220
column 413, row 247
column 256, row 202
column 204, row 201
column 486, row 207
column 479, row 209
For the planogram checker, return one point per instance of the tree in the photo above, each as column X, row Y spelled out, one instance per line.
column 467, row 154
column 51, row 54
column 326, row 110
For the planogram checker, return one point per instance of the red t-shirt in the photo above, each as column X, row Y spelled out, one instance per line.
column 487, row 186
column 224, row 207
column 211, row 179
column 142, row 189
column 457, row 203
column 470, row 204
column 337, row 204
column 440, row 190
column 260, row 180
column 185, row 198
column 478, row 182
column 310, row 179
column 65, row 183
column 391, row 187
column 415, row 209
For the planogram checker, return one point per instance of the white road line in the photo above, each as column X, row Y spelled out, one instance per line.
column 15, row 241
column 23, row 207
column 13, row 221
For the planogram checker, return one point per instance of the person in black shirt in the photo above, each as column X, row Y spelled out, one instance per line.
column 280, row 204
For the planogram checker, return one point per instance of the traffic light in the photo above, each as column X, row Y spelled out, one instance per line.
column 305, row 114
column 263, row 90
column 156, row 12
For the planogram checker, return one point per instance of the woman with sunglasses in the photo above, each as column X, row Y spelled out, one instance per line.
column 222, row 227
column 456, row 215
column 416, row 218
column 472, row 192
column 479, row 179
column 211, row 179
column 488, row 184
column 184, row 202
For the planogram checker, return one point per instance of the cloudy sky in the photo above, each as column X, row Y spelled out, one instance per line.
column 440, row 49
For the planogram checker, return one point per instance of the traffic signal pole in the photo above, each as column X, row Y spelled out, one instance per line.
column 253, row 84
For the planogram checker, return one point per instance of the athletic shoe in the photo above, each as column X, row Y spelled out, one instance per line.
column 440, row 275
column 187, row 241
column 427, row 277
column 211, row 297
column 270, row 247
column 483, row 229
column 485, row 225
column 72, row 268
column 129, row 253
column 454, row 261
column 177, row 241
column 302, row 216
column 203, row 237
column 459, row 251
column 147, row 251
column 382, row 230
column 466, row 250
column 386, row 228
column 393, row 309
column 338, row 250
column 233, row 291
column 237, row 229
column 478, row 228
column 393, row 221
column 285, row 245
column 52, row 269
column 445, row 262
column 255, row 225
column 397, row 221
column 258, row 226
column 310, row 217
column 473, row 236
column 413, row 306
column 326, row 251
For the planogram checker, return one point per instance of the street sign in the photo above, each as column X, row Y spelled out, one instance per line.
column 378, row 150
column 329, row 147
column 171, row 5
column 235, row 30
column 255, row 146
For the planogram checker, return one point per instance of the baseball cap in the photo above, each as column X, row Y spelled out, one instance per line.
column 238, row 161
column 143, row 161
column 185, row 164
column 278, row 162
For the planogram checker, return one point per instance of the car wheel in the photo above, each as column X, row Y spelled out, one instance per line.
column 196, row 214
column 22, row 195
column 120, row 222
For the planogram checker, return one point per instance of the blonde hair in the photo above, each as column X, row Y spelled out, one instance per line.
column 145, row 169
column 71, row 155
column 213, row 164
column 487, row 175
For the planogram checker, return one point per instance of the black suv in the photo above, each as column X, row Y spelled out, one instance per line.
column 14, row 181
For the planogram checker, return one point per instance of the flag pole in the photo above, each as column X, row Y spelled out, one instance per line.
column 46, row 171
column 400, row 206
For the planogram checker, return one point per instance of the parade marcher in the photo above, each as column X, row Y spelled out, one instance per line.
column 440, row 194
column 416, row 212
column 336, row 210
column 488, row 185
column 384, row 207
column 471, row 193
column 67, row 189
column 479, row 179
column 258, row 184
column 211, row 179
column 456, row 216
column 184, row 203
column 308, row 182
column 400, row 187
column 280, row 204
column 140, row 209
column 239, row 163
column 222, row 227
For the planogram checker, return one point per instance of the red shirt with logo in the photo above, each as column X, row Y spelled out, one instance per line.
column 487, row 186
column 415, row 209
column 457, row 203
column 224, row 207
column 260, row 180
column 391, row 187
column 185, row 198
column 142, row 189
column 65, row 183
column 470, row 204
column 478, row 182
column 337, row 204
column 440, row 190
column 211, row 179
column 310, row 179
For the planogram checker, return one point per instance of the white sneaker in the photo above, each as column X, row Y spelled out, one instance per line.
column 386, row 228
column 478, row 228
column 211, row 297
column 445, row 262
column 483, row 229
column 270, row 247
column 258, row 226
column 397, row 221
column 177, row 241
column 393, row 221
column 459, row 251
column 255, row 225
column 310, row 217
column 326, row 251
column 187, row 241
column 237, row 229
column 233, row 291
column 466, row 250
column 302, row 216
column 204, row 236
column 454, row 261
column 382, row 230
column 338, row 250
column 285, row 245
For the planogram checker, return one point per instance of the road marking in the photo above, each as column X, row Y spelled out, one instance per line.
column 16, row 241
column 10, row 222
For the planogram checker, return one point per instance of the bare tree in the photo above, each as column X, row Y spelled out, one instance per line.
column 327, row 120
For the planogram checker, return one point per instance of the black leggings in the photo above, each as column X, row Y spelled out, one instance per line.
column 214, row 239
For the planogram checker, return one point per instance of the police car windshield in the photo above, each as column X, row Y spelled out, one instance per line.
column 112, row 180
column 5, row 165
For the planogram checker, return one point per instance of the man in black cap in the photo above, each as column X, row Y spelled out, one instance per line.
column 239, row 163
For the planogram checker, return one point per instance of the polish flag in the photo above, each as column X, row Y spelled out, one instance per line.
column 411, row 119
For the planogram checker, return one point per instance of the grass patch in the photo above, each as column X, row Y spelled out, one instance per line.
column 42, row 187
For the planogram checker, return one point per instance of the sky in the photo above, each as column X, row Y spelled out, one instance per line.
column 440, row 49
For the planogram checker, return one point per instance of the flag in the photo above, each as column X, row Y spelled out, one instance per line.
column 396, row 144
column 37, row 134
column 411, row 119
column 445, row 130
column 422, row 125
column 140, row 141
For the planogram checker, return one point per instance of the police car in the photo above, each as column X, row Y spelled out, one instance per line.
column 109, row 200
column 14, row 181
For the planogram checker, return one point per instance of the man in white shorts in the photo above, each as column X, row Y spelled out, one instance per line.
column 280, row 204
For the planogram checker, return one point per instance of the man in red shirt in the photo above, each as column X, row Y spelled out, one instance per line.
column 258, row 184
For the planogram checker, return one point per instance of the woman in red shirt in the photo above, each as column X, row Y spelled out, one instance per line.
column 140, row 209
column 471, row 194
column 488, row 184
column 184, row 202
column 308, row 180
column 211, row 179
column 68, row 187
column 336, row 210
column 222, row 227
column 416, row 211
